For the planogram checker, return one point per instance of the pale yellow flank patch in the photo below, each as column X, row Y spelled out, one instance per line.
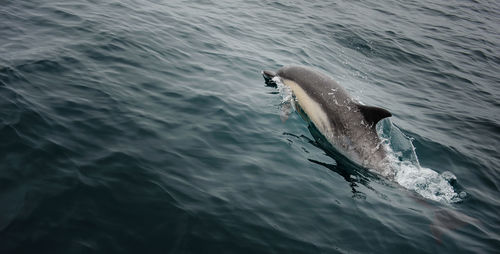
column 313, row 110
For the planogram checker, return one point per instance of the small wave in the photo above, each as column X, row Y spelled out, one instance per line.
column 408, row 172
column 427, row 182
column 287, row 105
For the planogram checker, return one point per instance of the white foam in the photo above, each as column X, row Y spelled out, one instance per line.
column 408, row 172
column 284, row 91
column 425, row 181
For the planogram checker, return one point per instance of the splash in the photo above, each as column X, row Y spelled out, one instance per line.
column 408, row 172
column 287, row 104
column 284, row 91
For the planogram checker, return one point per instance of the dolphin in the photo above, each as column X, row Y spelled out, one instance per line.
column 347, row 125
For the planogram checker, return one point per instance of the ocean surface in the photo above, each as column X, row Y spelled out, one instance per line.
column 145, row 127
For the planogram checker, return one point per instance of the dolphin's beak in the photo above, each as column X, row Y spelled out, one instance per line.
column 268, row 78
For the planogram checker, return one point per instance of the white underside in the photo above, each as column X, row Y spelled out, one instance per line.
column 313, row 110
column 317, row 116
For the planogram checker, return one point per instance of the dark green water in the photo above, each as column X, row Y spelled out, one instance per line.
column 145, row 127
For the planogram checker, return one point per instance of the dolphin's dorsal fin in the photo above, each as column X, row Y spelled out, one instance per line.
column 373, row 114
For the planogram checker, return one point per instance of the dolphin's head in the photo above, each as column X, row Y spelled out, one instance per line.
column 268, row 78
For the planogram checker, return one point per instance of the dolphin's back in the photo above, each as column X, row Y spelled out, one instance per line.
column 332, row 97
column 314, row 82
column 317, row 85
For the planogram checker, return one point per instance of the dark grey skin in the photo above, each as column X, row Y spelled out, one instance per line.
column 346, row 124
